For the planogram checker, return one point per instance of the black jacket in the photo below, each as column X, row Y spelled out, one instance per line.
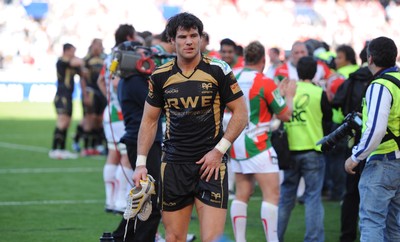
column 350, row 94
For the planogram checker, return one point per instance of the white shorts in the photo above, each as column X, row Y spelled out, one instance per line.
column 121, row 147
column 264, row 162
column 115, row 131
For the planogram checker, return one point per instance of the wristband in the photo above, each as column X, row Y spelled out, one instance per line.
column 223, row 145
column 141, row 160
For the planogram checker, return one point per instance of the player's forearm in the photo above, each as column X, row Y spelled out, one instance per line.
column 238, row 120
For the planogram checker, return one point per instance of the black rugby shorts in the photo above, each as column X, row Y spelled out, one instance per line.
column 180, row 184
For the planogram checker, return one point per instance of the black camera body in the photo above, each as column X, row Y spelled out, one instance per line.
column 351, row 125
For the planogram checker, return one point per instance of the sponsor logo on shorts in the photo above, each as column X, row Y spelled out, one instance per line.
column 170, row 204
column 215, row 197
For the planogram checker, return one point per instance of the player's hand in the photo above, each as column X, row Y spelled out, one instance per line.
column 139, row 174
column 349, row 165
column 288, row 87
column 211, row 163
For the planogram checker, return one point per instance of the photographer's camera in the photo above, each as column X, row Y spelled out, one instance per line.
column 351, row 125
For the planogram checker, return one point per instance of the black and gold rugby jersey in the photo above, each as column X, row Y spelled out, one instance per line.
column 193, row 106
column 65, row 77
column 94, row 64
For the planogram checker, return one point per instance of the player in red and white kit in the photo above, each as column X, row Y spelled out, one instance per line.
column 252, row 155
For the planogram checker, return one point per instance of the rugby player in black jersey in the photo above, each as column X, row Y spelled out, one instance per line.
column 193, row 91
column 67, row 67
column 93, row 100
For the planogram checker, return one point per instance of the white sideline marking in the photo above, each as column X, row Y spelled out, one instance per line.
column 49, row 202
column 24, row 147
column 51, row 170
column 36, row 149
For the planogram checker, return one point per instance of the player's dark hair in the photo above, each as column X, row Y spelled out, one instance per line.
column 184, row 20
column 253, row 53
column 67, row 46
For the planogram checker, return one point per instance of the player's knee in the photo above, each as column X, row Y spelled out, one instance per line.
column 174, row 236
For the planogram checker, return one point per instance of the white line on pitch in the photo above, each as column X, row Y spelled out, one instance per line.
column 36, row 149
column 51, row 170
column 24, row 147
column 49, row 202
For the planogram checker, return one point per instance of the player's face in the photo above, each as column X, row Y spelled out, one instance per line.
column 70, row 53
column 228, row 53
column 97, row 47
column 187, row 43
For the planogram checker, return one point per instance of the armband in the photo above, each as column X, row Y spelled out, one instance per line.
column 223, row 145
column 141, row 160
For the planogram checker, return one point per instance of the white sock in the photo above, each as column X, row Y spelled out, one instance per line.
column 109, row 184
column 122, row 175
column 269, row 218
column 239, row 219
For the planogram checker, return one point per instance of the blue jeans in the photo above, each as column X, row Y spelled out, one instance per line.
column 380, row 201
column 335, row 175
column 311, row 166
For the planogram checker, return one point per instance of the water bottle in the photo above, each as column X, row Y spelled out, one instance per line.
column 107, row 237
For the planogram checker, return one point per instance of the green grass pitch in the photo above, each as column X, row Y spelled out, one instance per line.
column 63, row 200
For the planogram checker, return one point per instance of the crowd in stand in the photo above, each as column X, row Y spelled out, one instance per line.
column 278, row 23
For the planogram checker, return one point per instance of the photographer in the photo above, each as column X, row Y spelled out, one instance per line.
column 117, row 167
column 132, row 92
column 380, row 180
